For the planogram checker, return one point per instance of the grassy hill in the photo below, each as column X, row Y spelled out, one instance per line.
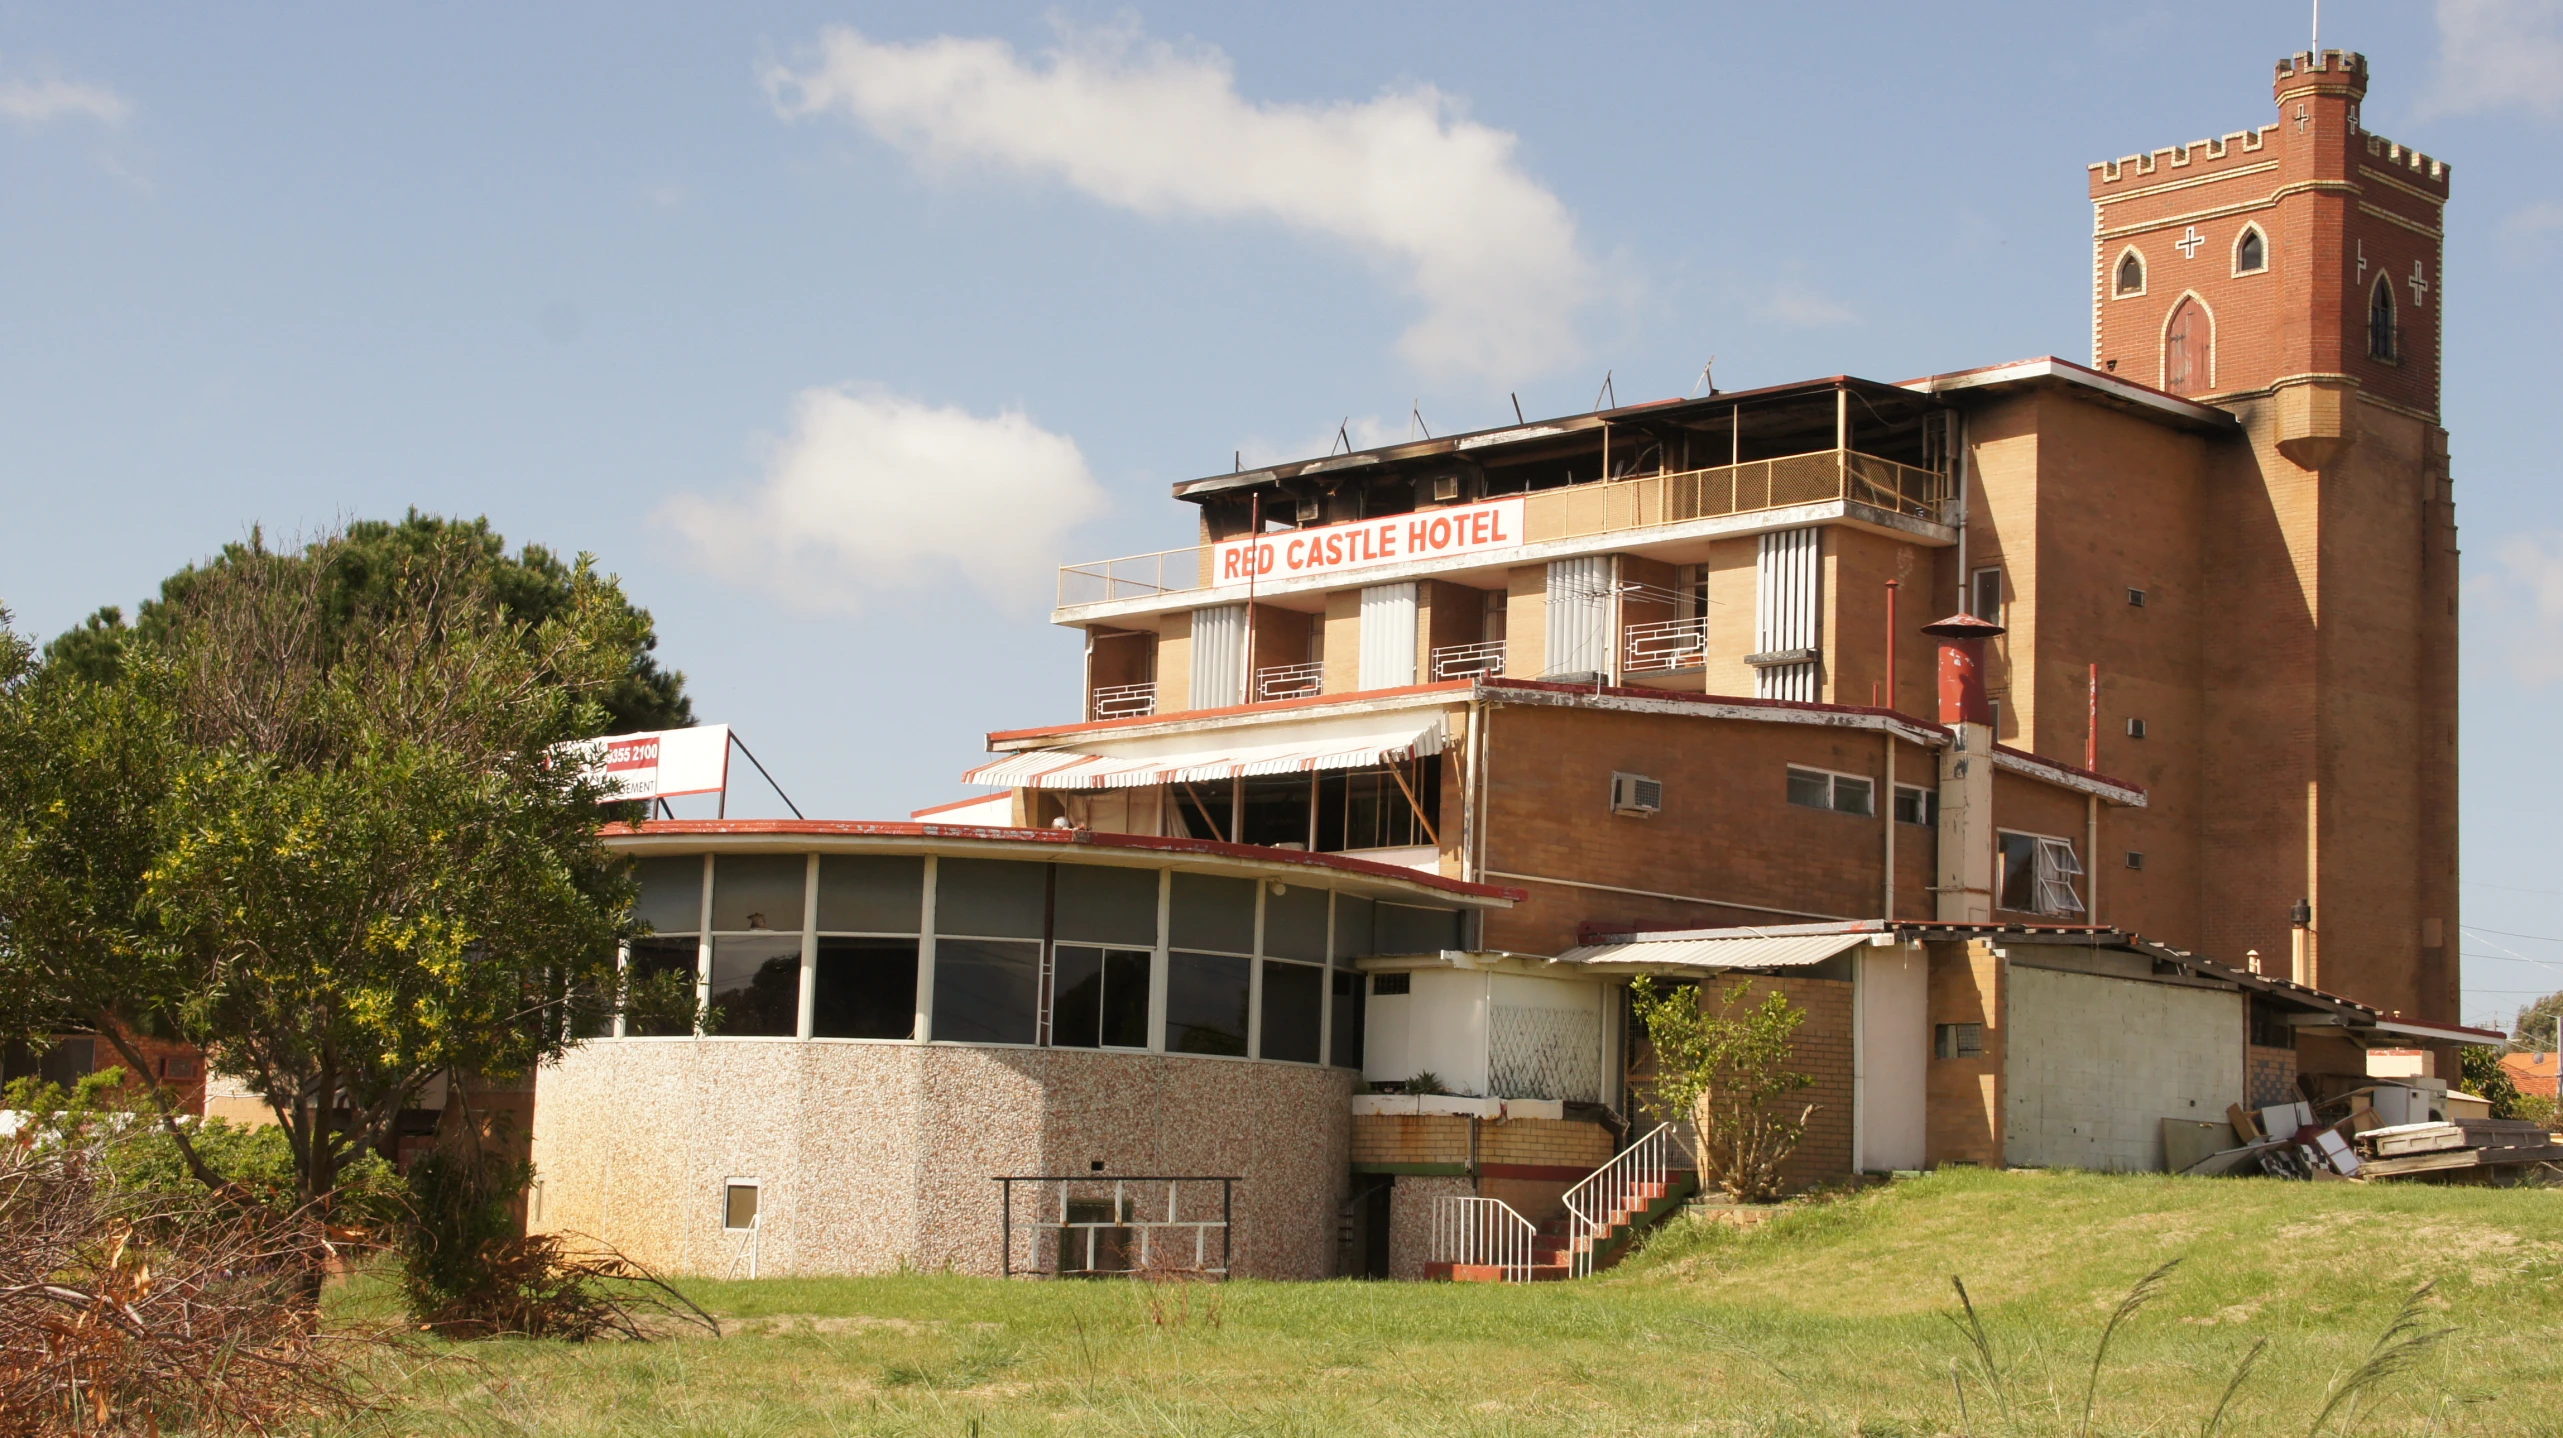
column 1835, row 1320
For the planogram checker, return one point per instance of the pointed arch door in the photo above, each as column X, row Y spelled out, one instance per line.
column 2189, row 343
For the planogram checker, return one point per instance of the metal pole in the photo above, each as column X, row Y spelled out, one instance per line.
column 1888, row 809
column 1254, row 562
column 1006, row 1224
column 1227, row 1224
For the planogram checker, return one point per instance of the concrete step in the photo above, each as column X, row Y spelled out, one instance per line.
column 1491, row 1273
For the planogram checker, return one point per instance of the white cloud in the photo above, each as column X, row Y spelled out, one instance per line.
column 2527, row 229
column 33, row 102
column 2523, row 602
column 1405, row 178
column 873, row 492
column 2494, row 54
column 1792, row 303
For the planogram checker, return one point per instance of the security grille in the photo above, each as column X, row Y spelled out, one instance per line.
column 1544, row 1053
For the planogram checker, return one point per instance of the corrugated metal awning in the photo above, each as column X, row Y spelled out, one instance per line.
column 1085, row 769
column 1775, row 951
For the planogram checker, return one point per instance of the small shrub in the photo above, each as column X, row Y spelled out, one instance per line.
column 1728, row 1071
column 467, row 1272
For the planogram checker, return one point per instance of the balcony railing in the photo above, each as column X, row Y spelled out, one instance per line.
column 1288, row 681
column 1576, row 511
column 1464, row 661
column 1659, row 648
column 1125, row 701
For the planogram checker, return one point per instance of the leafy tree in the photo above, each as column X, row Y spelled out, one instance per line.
column 2485, row 1078
column 2535, row 1029
column 1728, row 1071
column 347, row 864
column 362, row 565
column 85, row 770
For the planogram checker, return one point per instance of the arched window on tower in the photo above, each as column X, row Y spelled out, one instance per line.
column 2131, row 274
column 2382, row 340
column 2251, row 252
column 2189, row 343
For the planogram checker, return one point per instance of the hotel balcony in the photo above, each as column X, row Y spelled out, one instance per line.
column 1816, row 487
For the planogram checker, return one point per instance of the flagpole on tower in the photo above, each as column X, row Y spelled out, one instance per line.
column 2318, row 27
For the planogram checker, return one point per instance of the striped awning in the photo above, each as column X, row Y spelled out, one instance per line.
column 1089, row 769
column 1744, row 951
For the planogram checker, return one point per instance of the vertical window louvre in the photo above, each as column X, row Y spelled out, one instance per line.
column 1579, row 615
column 1219, row 657
column 1788, row 600
column 1388, row 636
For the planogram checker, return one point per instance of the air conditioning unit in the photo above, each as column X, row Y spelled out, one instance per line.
column 1636, row 794
column 1311, row 509
column 1445, row 487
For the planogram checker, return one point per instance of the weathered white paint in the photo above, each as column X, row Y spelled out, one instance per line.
column 2093, row 1066
column 1894, row 1050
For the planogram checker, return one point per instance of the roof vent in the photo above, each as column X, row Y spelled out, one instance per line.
column 1636, row 795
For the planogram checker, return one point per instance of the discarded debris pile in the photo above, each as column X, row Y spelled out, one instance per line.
column 2418, row 1129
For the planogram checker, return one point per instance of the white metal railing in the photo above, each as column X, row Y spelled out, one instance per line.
column 1672, row 644
column 1594, row 508
column 1142, row 1225
column 1483, row 1233
column 1461, row 661
column 1288, row 681
column 1617, row 1192
column 1135, row 576
column 1125, row 701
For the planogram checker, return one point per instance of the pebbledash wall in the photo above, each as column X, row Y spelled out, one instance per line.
column 871, row 1154
column 872, row 1157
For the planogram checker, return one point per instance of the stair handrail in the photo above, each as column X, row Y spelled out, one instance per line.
column 1594, row 1204
column 1483, row 1232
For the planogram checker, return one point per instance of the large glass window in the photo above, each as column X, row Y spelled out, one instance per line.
column 1294, row 1011
column 1347, row 1050
column 671, row 898
column 862, row 894
column 864, row 988
column 1295, row 922
column 1206, row 1002
column 756, row 986
column 758, row 892
column 987, row 991
column 1099, row 997
column 1354, row 922
column 659, row 983
column 1211, row 913
column 990, row 898
column 1106, row 906
column 1405, row 929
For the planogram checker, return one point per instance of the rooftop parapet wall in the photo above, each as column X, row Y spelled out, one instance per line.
column 2232, row 145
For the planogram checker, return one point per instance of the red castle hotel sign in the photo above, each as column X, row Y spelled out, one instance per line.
column 1334, row 549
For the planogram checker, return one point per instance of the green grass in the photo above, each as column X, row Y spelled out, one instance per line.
column 1835, row 1320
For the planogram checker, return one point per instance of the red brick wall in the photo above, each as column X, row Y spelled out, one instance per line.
column 1963, row 1118
column 1727, row 831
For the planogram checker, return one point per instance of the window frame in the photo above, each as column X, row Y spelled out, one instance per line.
column 2248, row 233
column 2391, row 335
column 2041, row 855
column 1927, row 804
column 1976, row 592
column 2118, row 267
column 730, row 1188
column 1833, row 790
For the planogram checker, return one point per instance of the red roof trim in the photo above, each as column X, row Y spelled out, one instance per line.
column 889, row 829
column 2043, row 762
column 1277, row 706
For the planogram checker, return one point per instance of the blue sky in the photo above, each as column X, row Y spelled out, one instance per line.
column 651, row 281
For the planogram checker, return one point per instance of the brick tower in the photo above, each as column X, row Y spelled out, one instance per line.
column 2291, row 274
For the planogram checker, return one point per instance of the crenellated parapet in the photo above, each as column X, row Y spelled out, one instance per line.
column 2231, row 144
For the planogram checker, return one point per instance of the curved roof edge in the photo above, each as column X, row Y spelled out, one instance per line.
column 742, row 833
